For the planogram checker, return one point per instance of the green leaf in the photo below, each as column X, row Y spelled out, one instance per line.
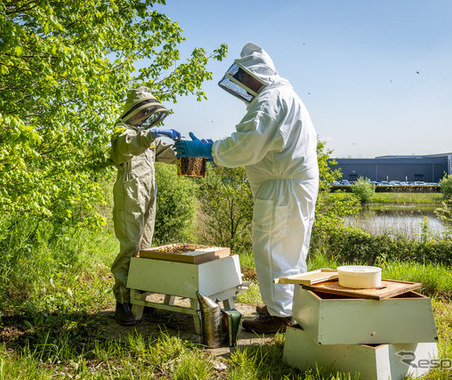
column 66, row 68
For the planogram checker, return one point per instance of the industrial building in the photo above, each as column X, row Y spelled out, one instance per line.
column 428, row 168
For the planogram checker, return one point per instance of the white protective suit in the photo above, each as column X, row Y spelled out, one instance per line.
column 276, row 142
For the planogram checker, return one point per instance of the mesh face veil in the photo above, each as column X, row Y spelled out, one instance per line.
column 142, row 110
column 153, row 119
column 232, row 83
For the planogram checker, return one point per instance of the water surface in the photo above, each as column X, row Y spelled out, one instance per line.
column 403, row 220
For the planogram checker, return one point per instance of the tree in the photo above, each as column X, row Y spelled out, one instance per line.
column 363, row 190
column 326, row 173
column 65, row 68
column 226, row 203
column 330, row 208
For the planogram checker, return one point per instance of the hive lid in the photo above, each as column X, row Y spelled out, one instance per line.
column 309, row 278
column 186, row 253
column 388, row 289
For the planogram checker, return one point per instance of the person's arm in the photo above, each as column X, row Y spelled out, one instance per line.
column 164, row 152
column 256, row 135
column 128, row 142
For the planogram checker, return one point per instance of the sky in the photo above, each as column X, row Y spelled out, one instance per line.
column 375, row 76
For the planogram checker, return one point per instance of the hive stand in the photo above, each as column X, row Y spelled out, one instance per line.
column 217, row 279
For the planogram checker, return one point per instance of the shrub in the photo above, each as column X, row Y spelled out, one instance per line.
column 444, row 213
column 330, row 207
column 446, row 186
column 354, row 246
column 227, row 208
column 363, row 190
column 176, row 206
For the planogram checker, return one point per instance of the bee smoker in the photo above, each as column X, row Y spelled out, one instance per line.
column 211, row 317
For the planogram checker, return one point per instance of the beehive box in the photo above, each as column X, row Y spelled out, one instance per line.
column 184, row 279
column 380, row 362
column 335, row 319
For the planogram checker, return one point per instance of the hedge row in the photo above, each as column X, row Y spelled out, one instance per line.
column 354, row 246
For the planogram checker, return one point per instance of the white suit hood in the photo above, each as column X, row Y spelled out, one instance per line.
column 256, row 61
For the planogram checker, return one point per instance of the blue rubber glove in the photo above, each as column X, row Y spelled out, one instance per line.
column 193, row 137
column 194, row 148
column 209, row 141
column 171, row 133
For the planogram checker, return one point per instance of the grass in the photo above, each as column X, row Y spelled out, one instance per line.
column 389, row 198
column 51, row 319
column 408, row 198
column 436, row 278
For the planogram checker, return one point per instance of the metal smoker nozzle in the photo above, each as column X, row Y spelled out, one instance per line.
column 211, row 320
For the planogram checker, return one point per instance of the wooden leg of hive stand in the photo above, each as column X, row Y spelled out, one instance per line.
column 169, row 299
column 196, row 315
column 137, row 310
column 229, row 303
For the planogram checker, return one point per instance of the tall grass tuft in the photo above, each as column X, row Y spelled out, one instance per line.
column 45, row 267
column 443, row 321
column 435, row 278
column 259, row 362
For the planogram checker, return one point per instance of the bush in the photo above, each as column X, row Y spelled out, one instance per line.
column 227, row 208
column 354, row 246
column 363, row 190
column 176, row 206
column 444, row 213
column 330, row 207
column 446, row 186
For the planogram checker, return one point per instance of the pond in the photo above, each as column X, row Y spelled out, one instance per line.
column 403, row 220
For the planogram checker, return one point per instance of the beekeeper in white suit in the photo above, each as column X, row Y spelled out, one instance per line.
column 276, row 142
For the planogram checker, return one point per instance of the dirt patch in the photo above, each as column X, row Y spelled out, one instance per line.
column 249, row 274
column 10, row 333
column 103, row 325
column 155, row 322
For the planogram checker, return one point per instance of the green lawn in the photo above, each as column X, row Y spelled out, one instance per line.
column 53, row 325
column 408, row 198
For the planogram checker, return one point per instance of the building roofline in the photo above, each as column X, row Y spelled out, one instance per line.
column 390, row 156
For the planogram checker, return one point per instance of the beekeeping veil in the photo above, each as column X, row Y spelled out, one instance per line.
column 142, row 110
column 254, row 62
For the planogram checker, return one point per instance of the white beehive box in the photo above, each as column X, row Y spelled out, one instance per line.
column 335, row 319
column 184, row 279
column 379, row 362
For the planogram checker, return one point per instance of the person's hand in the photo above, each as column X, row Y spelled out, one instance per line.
column 193, row 137
column 194, row 148
column 171, row 133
